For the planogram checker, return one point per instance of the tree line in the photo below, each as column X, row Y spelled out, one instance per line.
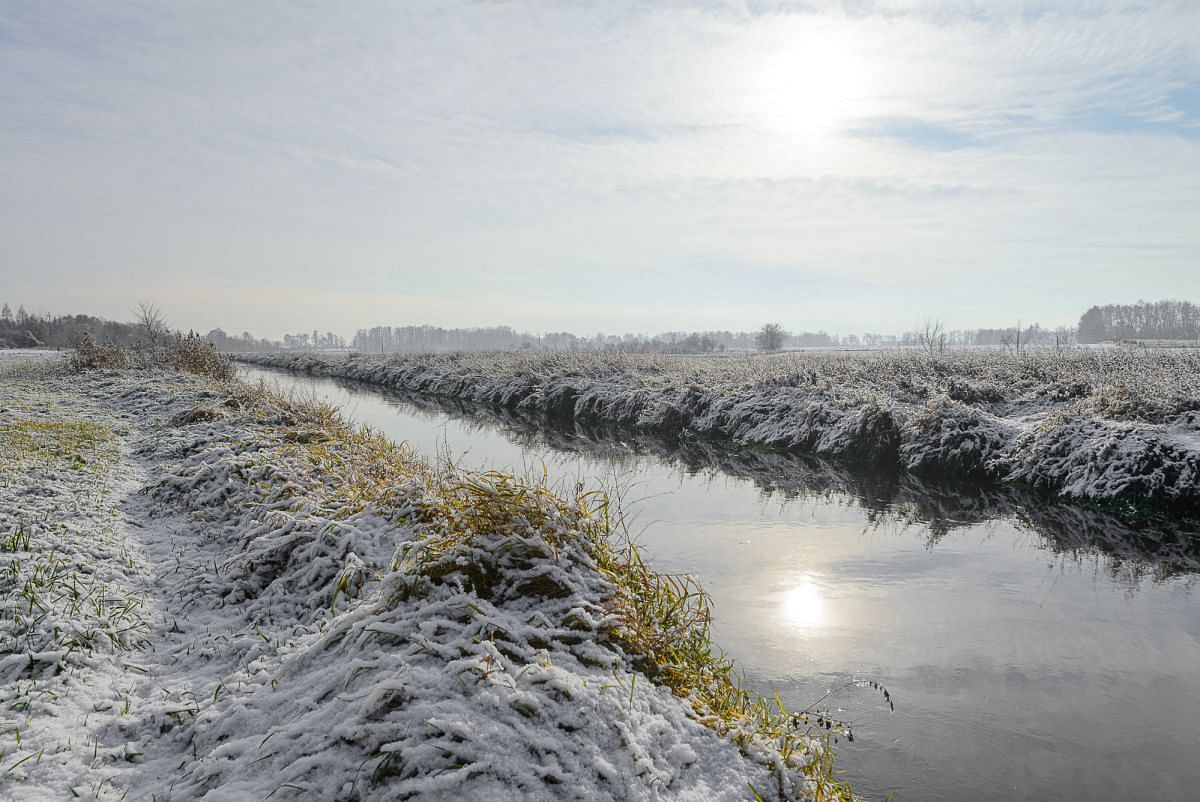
column 390, row 339
column 1159, row 320
column 21, row 329
column 301, row 341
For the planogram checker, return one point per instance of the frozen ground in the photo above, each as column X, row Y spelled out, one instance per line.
column 208, row 595
column 1117, row 426
column 23, row 355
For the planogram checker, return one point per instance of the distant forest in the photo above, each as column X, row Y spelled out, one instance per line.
column 20, row 329
column 1162, row 320
column 502, row 338
column 416, row 339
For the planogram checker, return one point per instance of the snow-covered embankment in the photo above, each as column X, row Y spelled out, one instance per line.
column 210, row 592
column 1120, row 429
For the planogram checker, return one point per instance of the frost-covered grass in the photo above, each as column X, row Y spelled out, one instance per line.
column 69, row 591
column 1118, row 427
column 10, row 357
column 211, row 591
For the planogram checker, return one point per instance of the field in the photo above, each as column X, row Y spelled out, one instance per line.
column 213, row 591
column 1114, row 427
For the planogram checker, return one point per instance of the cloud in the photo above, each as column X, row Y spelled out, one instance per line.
column 578, row 155
column 917, row 133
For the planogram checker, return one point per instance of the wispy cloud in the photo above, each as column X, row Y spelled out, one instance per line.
column 581, row 154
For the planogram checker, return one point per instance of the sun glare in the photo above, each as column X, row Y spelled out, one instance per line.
column 803, row 605
column 810, row 84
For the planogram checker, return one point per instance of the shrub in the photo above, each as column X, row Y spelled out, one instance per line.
column 193, row 354
column 189, row 353
column 91, row 356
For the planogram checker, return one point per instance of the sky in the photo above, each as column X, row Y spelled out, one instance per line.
column 852, row 166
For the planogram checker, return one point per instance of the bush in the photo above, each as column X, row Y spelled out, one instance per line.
column 90, row 356
column 189, row 353
column 193, row 354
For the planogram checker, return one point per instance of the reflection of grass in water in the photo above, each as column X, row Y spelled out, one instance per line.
column 1159, row 548
column 944, row 415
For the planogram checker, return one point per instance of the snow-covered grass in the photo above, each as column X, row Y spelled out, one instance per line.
column 210, row 591
column 11, row 356
column 70, row 579
column 1119, row 427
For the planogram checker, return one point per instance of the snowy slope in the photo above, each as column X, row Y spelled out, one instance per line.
column 292, row 638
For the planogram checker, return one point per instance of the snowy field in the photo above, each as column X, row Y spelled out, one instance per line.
column 1116, row 426
column 27, row 355
column 212, row 593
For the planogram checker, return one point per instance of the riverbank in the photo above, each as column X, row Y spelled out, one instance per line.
column 210, row 590
column 1164, row 547
column 1115, row 428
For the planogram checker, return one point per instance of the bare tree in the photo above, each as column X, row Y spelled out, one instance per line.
column 151, row 320
column 932, row 335
column 770, row 337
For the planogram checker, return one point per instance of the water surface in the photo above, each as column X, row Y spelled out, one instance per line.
column 1033, row 650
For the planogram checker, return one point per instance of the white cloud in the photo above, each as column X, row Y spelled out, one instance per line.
column 581, row 155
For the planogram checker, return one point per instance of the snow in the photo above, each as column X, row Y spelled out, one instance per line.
column 255, row 633
column 1116, row 427
column 27, row 355
column 1103, row 459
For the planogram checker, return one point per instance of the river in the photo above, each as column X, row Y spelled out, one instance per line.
column 1033, row 650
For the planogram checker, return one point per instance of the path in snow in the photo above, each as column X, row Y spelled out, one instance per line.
column 111, row 650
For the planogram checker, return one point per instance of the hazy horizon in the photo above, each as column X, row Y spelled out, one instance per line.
column 846, row 166
column 134, row 315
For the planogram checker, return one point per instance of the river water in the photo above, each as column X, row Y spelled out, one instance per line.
column 1033, row 651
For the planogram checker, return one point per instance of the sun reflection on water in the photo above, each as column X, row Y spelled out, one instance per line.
column 804, row 606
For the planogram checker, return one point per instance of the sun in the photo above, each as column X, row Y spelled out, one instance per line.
column 811, row 83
